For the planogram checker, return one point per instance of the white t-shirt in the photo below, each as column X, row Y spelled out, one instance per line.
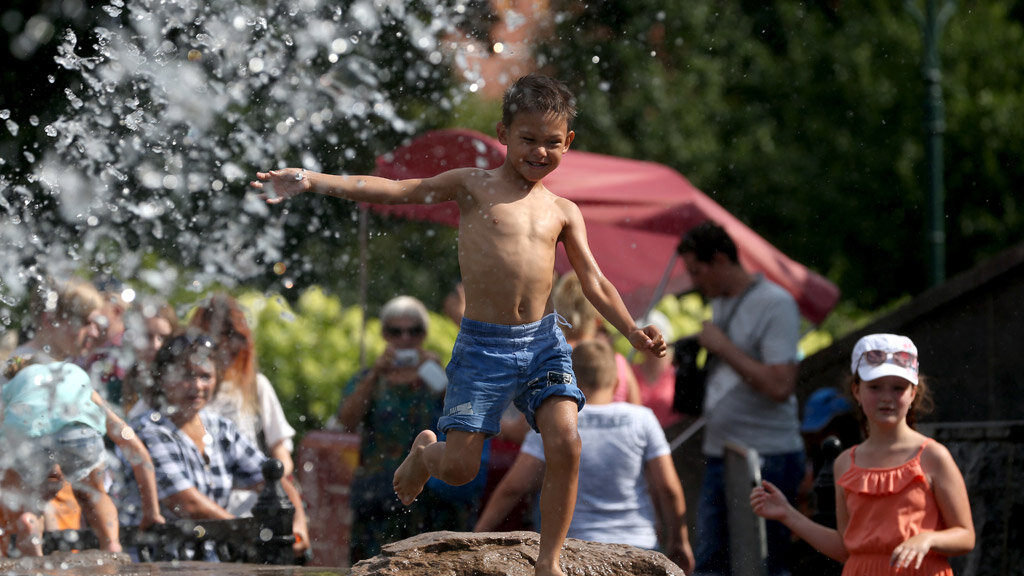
column 270, row 418
column 613, row 503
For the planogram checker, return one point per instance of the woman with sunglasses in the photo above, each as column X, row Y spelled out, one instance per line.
column 399, row 395
column 901, row 501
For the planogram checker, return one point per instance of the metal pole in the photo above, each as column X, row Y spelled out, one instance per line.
column 659, row 290
column 932, row 22
column 364, row 275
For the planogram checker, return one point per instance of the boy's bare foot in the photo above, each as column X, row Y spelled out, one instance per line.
column 542, row 570
column 412, row 475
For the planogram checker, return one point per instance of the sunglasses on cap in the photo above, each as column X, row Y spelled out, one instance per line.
column 395, row 331
column 879, row 357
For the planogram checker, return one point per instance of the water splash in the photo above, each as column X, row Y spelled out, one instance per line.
column 174, row 106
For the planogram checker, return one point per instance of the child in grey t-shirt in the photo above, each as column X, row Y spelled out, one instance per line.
column 627, row 483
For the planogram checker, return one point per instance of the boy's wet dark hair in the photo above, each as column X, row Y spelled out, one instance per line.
column 536, row 93
column 705, row 240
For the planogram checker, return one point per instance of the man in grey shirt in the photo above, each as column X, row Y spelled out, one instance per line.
column 750, row 388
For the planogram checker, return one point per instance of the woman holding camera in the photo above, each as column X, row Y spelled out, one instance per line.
column 387, row 404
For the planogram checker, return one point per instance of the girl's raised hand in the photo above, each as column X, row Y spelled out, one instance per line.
column 278, row 185
column 768, row 501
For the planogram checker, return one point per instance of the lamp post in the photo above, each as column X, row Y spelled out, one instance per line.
column 932, row 21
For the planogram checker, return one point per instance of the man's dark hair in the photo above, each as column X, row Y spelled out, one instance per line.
column 536, row 93
column 705, row 240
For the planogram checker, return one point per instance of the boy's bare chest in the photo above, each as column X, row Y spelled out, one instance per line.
column 523, row 219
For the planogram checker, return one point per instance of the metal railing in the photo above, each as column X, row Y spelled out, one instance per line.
column 264, row 538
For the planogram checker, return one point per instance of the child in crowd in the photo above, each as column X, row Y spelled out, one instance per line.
column 52, row 431
column 53, row 421
column 901, row 501
column 508, row 348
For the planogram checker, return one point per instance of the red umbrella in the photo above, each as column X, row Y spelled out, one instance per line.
column 636, row 212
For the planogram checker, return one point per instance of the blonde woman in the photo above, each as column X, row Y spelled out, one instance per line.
column 584, row 324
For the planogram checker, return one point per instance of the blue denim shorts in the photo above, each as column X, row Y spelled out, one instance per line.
column 77, row 448
column 495, row 364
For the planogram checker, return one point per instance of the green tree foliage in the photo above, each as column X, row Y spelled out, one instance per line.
column 805, row 120
column 137, row 126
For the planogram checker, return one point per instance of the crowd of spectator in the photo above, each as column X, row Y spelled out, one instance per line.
column 189, row 419
column 105, row 395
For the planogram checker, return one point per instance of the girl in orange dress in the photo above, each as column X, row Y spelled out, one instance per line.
column 901, row 501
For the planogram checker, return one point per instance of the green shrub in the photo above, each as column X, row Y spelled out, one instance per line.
column 311, row 351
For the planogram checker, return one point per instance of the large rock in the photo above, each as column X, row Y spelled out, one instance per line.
column 508, row 554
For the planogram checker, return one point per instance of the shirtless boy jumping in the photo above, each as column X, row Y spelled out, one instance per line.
column 507, row 349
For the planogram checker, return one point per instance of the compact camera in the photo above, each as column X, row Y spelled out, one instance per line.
column 406, row 358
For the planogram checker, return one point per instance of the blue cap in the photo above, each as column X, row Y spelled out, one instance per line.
column 821, row 407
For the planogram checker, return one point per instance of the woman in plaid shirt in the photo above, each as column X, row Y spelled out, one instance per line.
column 199, row 456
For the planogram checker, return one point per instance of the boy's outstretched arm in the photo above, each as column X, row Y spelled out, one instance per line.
column 598, row 289
column 278, row 185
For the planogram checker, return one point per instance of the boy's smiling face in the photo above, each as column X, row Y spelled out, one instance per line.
column 536, row 142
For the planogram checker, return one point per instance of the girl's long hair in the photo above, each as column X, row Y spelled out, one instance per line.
column 222, row 318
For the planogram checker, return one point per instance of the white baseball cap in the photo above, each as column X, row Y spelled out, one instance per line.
column 877, row 355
